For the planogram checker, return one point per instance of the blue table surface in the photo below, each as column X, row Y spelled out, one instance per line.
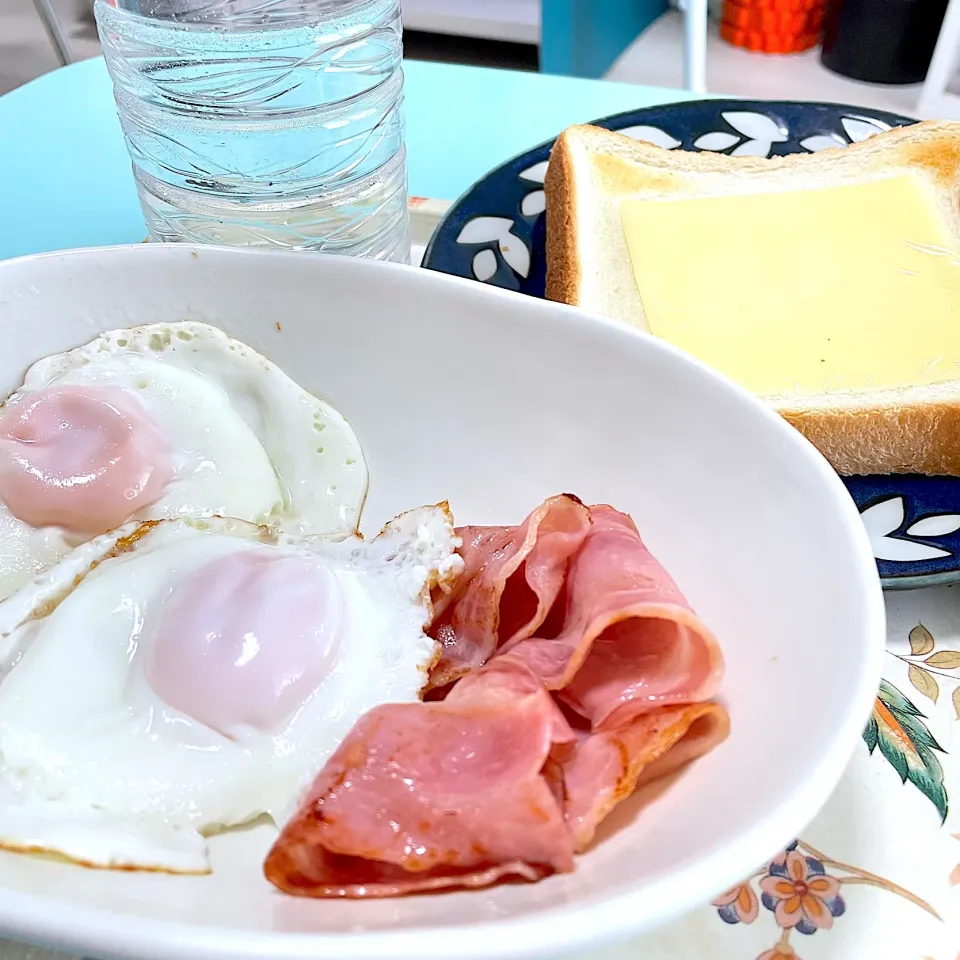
column 65, row 177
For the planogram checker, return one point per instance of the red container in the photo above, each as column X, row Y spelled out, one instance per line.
column 766, row 42
column 774, row 22
column 783, row 7
column 773, row 26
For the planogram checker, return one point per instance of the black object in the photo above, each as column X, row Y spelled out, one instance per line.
column 881, row 41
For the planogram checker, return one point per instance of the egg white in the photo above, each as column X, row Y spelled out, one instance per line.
column 247, row 442
column 97, row 768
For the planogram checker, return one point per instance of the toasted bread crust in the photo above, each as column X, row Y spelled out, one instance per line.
column 932, row 146
column 563, row 260
column 921, row 437
column 916, row 430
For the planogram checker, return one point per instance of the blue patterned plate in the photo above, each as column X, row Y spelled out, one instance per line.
column 495, row 233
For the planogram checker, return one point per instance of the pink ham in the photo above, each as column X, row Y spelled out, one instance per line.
column 511, row 578
column 624, row 639
column 607, row 767
column 426, row 796
column 491, row 782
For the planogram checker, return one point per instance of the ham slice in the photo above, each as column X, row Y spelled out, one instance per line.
column 489, row 781
column 427, row 796
column 607, row 767
column 627, row 642
column 511, row 578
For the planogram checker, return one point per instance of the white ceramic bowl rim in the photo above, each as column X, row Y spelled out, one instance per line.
column 550, row 931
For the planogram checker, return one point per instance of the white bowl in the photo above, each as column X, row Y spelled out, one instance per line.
column 496, row 401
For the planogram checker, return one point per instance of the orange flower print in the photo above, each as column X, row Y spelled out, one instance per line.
column 738, row 905
column 801, row 894
column 782, row 951
column 803, row 898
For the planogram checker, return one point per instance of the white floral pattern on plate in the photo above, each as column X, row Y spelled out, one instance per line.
column 883, row 520
column 856, row 128
column 654, row 135
column 534, row 203
column 757, row 134
column 499, row 229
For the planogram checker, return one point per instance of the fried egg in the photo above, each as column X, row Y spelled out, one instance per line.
column 176, row 678
column 159, row 422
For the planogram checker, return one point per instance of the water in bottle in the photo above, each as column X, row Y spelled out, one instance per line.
column 273, row 123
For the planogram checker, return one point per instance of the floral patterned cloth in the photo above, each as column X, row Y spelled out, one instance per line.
column 877, row 874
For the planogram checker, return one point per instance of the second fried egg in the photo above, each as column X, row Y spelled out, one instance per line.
column 222, row 664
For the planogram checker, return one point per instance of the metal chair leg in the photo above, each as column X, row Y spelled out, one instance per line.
column 695, row 45
column 54, row 28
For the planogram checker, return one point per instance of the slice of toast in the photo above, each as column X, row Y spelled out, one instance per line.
column 913, row 427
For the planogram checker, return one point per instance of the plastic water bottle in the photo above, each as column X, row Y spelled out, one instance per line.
column 272, row 123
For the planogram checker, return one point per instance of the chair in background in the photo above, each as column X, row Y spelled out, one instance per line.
column 53, row 26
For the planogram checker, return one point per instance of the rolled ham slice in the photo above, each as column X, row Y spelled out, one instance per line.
column 428, row 796
column 627, row 641
column 607, row 767
column 511, row 578
column 489, row 780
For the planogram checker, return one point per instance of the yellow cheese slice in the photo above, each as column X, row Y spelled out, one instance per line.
column 851, row 287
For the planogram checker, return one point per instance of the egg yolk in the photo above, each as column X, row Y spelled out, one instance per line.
column 82, row 458
column 246, row 640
